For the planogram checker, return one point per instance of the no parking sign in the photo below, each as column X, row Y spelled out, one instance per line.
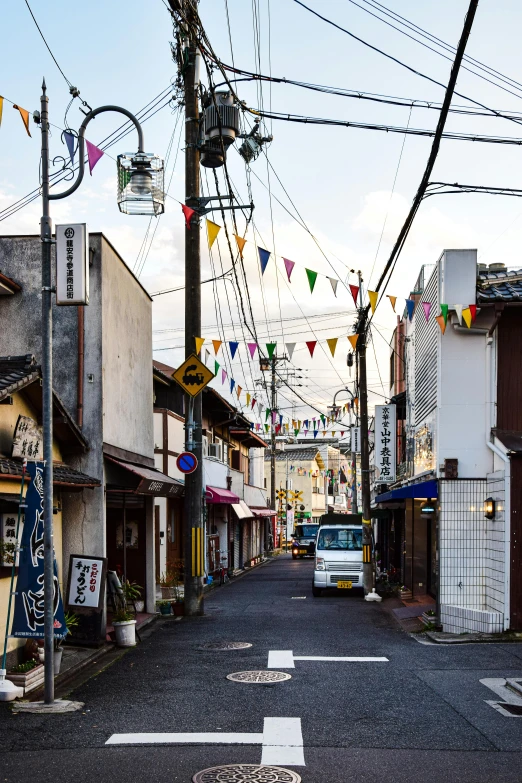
column 187, row 462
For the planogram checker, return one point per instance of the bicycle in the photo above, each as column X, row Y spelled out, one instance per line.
column 223, row 569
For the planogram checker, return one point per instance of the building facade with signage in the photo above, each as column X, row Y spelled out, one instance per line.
column 454, row 447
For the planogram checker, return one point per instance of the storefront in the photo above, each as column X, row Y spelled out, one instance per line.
column 219, row 527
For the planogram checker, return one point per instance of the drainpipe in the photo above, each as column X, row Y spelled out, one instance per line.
column 81, row 364
column 491, row 391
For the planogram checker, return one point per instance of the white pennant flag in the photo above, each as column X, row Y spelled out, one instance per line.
column 333, row 283
column 290, row 348
column 458, row 309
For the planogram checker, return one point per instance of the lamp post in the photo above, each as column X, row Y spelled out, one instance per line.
column 142, row 176
column 353, row 457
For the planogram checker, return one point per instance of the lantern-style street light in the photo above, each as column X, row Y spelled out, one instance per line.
column 140, row 192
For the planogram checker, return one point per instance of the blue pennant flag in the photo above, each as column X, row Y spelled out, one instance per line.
column 28, row 620
column 233, row 348
column 410, row 306
column 232, row 384
column 70, row 140
column 264, row 255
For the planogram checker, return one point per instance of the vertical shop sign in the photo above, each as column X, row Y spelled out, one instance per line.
column 385, row 443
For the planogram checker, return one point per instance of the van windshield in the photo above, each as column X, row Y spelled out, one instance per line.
column 306, row 531
column 340, row 538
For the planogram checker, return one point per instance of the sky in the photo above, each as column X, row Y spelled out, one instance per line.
column 331, row 199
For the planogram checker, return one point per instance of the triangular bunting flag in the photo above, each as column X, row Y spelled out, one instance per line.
column 441, row 322
column 290, row 348
column 216, row 367
column 353, row 340
column 24, row 114
column 267, row 413
column 458, row 310
column 466, row 314
column 240, row 243
column 199, row 343
column 93, row 156
column 253, row 403
column 332, row 344
column 267, row 427
column 252, row 347
column 444, row 313
column 312, row 277
column 217, row 346
column 212, row 231
column 355, row 292
column 188, row 212
column 70, row 140
column 270, row 347
column 264, row 255
column 473, row 311
column 392, row 299
column 311, row 346
column 373, row 296
column 239, row 390
column 333, row 283
column 289, row 265
column 1, row 108
column 426, row 306
column 248, row 397
column 315, row 433
column 223, row 376
column 232, row 384
column 410, row 307
column 233, row 348
column 296, row 432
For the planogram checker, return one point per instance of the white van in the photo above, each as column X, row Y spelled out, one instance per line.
column 338, row 553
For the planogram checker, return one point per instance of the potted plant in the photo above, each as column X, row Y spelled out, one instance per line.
column 124, row 627
column 132, row 595
column 71, row 621
column 28, row 675
column 176, row 571
column 164, row 607
column 167, row 584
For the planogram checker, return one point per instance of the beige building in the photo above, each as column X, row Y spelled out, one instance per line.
column 301, row 470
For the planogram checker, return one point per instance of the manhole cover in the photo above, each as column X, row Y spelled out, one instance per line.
column 241, row 773
column 225, row 646
column 259, row 676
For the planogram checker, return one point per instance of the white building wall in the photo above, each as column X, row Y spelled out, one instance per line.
column 495, row 543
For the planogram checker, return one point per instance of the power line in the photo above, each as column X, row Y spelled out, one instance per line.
column 47, row 45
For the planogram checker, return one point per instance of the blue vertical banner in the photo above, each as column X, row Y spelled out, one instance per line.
column 28, row 620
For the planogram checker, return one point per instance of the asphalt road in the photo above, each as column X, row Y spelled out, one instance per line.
column 420, row 716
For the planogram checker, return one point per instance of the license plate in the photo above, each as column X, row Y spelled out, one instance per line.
column 346, row 585
column 303, row 551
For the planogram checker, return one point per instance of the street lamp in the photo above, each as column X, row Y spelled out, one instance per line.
column 140, row 192
column 353, row 457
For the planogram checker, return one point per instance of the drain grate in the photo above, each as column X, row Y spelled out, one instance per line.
column 241, row 773
column 259, row 676
column 225, row 646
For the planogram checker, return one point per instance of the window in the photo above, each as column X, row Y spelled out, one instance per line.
column 265, row 483
column 340, row 538
column 392, row 369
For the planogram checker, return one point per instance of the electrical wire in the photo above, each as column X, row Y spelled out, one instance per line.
column 47, row 45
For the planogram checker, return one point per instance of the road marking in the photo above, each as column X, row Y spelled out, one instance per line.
column 283, row 742
column 187, row 738
column 285, row 659
column 499, row 686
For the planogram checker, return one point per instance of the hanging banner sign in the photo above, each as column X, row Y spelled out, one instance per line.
column 385, row 443
column 356, row 440
column 27, row 439
column 72, row 264
column 28, row 620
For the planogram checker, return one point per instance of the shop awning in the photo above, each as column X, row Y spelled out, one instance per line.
column 242, row 511
column 151, row 481
column 424, row 489
column 219, row 495
column 264, row 512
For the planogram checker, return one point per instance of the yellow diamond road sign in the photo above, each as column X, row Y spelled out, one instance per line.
column 193, row 375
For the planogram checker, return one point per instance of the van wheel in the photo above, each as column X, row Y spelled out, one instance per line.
column 316, row 591
column 294, row 557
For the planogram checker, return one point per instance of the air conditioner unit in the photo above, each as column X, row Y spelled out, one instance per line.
column 215, row 450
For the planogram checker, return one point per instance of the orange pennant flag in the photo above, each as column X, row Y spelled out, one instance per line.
column 392, row 299
column 441, row 322
column 332, row 344
column 373, row 296
column 466, row 314
column 239, row 390
column 1, row 108
column 353, row 340
column 240, row 243
column 217, row 346
column 24, row 114
column 199, row 343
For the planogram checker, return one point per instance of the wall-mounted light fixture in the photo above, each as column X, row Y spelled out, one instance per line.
column 428, row 509
column 489, row 508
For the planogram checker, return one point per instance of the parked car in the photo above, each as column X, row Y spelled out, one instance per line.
column 303, row 542
column 338, row 555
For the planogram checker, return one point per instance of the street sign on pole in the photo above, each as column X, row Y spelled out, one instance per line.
column 72, row 264
column 186, row 462
column 193, row 375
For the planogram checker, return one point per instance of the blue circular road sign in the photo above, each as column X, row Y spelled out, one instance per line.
column 187, row 462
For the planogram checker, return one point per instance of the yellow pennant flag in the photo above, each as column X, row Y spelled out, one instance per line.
column 392, row 299
column 240, row 243
column 441, row 322
column 239, row 390
column 212, row 231
column 1, row 108
column 373, row 296
column 353, row 340
column 332, row 344
column 199, row 343
column 333, row 434
column 24, row 114
column 248, row 399
column 466, row 314
column 217, row 346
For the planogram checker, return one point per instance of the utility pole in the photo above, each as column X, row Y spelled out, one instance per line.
column 194, row 547
column 273, row 407
column 365, row 451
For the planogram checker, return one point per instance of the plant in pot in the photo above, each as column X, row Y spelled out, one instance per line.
column 164, row 607
column 124, row 627
column 71, row 621
column 176, row 571
column 167, row 583
column 132, row 595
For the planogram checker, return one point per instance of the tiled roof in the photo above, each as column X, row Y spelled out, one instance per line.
column 296, row 455
column 62, row 473
column 16, row 371
column 502, row 286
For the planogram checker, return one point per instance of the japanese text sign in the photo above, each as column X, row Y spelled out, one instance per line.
column 356, row 440
column 86, row 580
column 27, row 439
column 72, row 264
column 385, row 443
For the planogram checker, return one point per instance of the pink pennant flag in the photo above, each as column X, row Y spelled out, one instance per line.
column 93, row 154
column 223, row 376
column 252, row 347
column 274, row 417
column 289, row 265
column 426, row 307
